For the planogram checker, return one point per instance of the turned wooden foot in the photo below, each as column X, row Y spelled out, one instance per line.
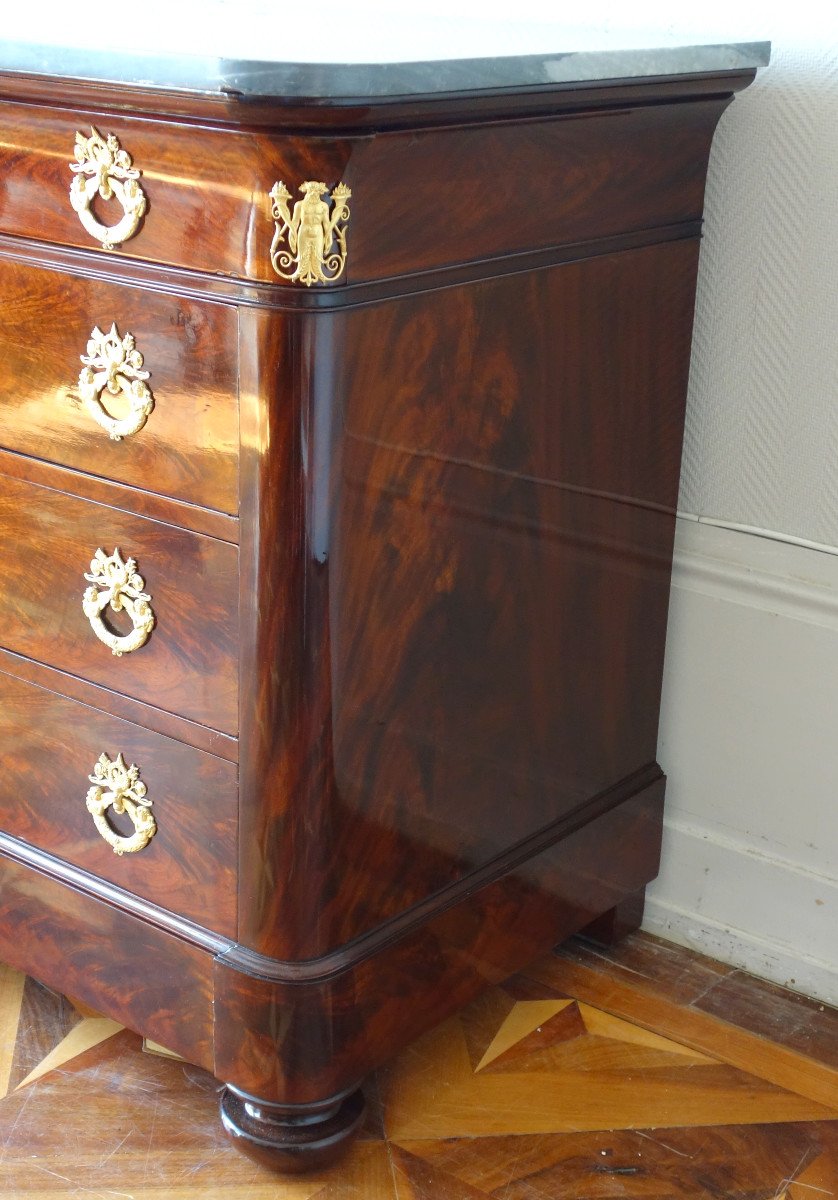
column 618, row 922
column 292, row 1138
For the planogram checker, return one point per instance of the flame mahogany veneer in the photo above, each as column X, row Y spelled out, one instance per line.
column 408, row 538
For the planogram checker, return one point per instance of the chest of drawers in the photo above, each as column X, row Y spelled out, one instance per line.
column 339, row 447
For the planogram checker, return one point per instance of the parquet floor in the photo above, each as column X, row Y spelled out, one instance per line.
column 643, row 1072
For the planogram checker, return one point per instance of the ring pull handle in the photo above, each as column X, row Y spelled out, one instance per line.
column 113, row 365
column 118, row 786
column 103, row 168
column 116, row 584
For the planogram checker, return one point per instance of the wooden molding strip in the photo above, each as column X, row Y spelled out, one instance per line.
column 199, row 285
column 100, row 889
column 362, row 114
column 253, row 963
column 249, row 962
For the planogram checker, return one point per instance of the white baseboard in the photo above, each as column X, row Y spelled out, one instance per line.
column 696, row 902
column 749, row 740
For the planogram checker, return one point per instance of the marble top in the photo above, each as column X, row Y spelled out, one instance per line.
column 258, row 49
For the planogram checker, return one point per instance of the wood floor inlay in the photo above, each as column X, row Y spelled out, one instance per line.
column 643, row 1073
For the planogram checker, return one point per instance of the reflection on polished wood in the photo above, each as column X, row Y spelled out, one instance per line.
column 188, row 449
column 486, row 523
column 187, row 667
column 191, row 868
column 592, row 1103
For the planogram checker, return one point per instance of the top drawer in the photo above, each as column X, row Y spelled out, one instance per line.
column 200, row 198
column 186, row 446
column 421, row 199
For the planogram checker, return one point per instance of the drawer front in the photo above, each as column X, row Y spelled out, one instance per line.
column 188, row 863
column 186, row 446
column 207, row 202
column 187, row 665
column 197, row 200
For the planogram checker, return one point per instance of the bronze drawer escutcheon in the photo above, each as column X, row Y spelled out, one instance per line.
column 116, row 584
column 118, row 785
column 114, row 365
column 103, row 167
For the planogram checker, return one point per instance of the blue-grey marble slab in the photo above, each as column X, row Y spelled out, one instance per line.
column 251, row 79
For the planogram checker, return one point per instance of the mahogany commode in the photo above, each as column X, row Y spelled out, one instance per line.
column 339, row 447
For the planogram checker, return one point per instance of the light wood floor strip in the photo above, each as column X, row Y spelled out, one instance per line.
column 11, row 998
column 708, row 1034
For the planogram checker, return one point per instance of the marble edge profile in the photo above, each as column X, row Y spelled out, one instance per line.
column 250, row 80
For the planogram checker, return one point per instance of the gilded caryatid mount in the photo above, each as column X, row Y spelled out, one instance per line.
column 309, row 242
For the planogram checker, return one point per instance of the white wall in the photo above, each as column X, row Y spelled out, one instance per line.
column 749, row 733
column 749, row 738
column 761, row 443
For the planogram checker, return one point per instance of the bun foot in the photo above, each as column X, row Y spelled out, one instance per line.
column 292, row 1138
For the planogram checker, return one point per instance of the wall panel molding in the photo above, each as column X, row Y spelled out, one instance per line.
column 748, row 741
